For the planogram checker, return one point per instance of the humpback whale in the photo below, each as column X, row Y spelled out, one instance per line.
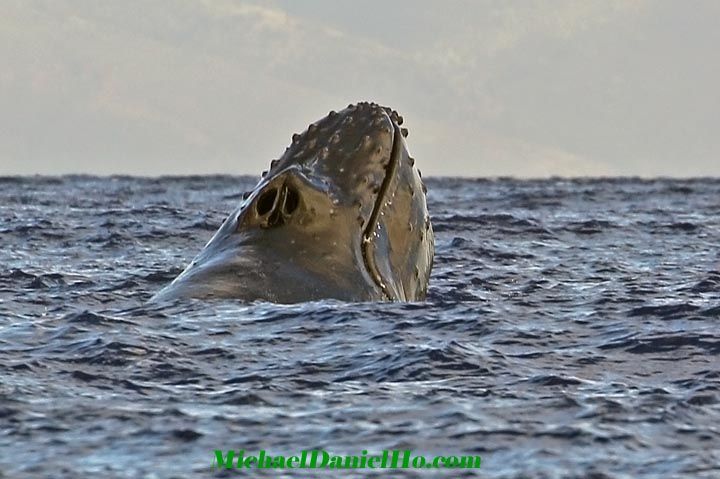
column 341, row 214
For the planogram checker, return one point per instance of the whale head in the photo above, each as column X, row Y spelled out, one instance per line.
column 341, row 214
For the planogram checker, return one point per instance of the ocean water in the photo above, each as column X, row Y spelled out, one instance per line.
column 571, row 331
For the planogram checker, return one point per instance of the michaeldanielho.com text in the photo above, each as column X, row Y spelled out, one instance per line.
column 320, row 459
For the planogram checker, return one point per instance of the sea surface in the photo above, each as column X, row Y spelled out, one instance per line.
column 572, row 330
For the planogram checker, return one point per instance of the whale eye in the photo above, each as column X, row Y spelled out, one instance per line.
column 266, row 201
column 292, row 200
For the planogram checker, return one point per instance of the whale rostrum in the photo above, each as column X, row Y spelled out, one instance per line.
column 341, row 214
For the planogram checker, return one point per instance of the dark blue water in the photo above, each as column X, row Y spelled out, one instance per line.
column 571, row 331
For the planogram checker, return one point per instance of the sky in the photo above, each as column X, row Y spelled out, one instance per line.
column 525, row 88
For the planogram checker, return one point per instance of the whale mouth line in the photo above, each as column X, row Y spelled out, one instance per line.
column 369, row 231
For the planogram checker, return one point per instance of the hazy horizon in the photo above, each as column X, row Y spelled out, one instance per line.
column 487, row 88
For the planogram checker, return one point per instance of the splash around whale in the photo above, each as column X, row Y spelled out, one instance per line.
column 341, row 214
